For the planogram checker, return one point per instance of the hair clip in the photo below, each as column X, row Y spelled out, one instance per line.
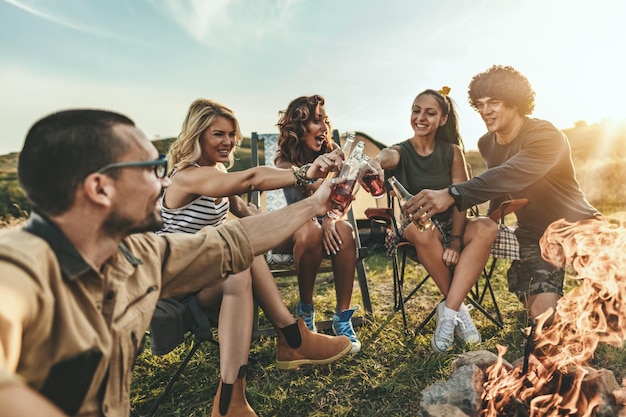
column 444, row 91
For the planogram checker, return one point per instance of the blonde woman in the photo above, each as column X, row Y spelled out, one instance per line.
column 201, row 194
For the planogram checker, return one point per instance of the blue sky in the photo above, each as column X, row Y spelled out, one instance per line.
column 150, row 59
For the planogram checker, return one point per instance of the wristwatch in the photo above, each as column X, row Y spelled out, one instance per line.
column 454, row 193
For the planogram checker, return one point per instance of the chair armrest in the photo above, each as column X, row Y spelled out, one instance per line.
column 383, row 216
column 507, row 207
column 379, row 213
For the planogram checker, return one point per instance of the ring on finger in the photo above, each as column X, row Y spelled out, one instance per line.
column 333, row 181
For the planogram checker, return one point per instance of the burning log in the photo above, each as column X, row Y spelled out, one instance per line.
column 556, row 379
column 456, row 396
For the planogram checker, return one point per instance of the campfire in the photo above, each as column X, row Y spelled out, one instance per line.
column 551, row 381
column 555, row 377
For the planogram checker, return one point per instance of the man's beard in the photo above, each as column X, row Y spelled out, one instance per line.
column 118, row 224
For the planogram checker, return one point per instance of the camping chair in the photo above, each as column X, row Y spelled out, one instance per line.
column 386, row 217
column 174, row 322
column 504, row 247
column 282, row 265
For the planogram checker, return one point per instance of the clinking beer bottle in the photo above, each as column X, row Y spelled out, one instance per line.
column 347, row 145
column 403, row 196
column 346, row 148
column 342, row 194
column 370, row 180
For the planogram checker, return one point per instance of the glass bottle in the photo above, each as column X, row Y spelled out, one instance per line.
column 403, row 196
column 342, row 194
column 347, row 145
column 346, row 148
column 370, row 180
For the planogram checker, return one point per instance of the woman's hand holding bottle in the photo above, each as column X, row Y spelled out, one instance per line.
column 373, row 177
column 345, row 185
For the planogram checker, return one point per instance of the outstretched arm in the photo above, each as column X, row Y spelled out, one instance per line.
column 268, row 230
column 428, row 201
column 213, row 182
column 388, row 158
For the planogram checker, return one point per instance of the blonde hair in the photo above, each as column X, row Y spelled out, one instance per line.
column 185, row 150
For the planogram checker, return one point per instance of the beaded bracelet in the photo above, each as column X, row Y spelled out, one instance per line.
column 300, row 175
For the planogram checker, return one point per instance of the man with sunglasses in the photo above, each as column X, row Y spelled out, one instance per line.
column 79, row 282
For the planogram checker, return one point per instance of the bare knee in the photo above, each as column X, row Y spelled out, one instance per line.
column 539, row 304
column 421, row 238
column 485, row 227
column 238, row 284
column 308, row 236
column 346, row 233
column 481, row 228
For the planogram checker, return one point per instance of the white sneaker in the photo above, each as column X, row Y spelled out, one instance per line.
column 443, row 338
column 465, row 328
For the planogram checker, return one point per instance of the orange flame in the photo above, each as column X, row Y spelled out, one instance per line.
column 594, row 252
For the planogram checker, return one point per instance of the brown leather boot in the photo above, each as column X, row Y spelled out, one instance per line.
column 315, row 349
column 230, row 400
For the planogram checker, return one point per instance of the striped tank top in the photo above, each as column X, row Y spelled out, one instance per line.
column 190, row 218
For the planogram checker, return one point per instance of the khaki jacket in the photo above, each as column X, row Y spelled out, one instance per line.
column 73, row 333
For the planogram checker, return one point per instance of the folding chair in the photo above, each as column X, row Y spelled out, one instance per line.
column 282, row 265
column 505, row 247
column 172, row 323
column 386, row 217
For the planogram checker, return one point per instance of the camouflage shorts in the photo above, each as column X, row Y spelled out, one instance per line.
column 531, row 274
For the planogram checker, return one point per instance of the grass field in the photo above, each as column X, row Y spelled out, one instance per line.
column 385, row 378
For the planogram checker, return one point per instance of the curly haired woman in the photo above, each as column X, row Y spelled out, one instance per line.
column 304, row 136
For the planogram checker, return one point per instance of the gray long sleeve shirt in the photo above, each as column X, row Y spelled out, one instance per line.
column 536, row 165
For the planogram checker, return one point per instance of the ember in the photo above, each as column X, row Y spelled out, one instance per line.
column 555, row 378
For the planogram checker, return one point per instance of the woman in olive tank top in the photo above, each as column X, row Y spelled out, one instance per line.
column 456, row 250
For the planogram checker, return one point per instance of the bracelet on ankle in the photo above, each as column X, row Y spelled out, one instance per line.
column 300, row 175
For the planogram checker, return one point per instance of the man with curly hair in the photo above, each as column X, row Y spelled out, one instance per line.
column 526, row 158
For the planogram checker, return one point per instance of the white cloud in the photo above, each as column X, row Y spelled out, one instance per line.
column 78, row 24
column 232, row 21
column 198, row 18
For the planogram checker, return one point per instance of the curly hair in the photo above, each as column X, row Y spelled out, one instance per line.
column 185, row 150
column 292, row 128
column 449, row 132
column 503, row 83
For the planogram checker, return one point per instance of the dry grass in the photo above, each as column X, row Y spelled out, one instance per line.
column 385, row 378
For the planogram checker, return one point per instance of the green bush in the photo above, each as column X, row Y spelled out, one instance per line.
column 13, row 202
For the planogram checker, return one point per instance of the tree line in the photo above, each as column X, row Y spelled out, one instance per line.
column 598, row 150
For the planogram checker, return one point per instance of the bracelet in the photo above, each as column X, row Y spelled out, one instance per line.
column 300, row 175
column 456, row 237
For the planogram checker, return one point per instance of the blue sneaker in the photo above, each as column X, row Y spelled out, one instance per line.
column 342, row 326
column 307, row 312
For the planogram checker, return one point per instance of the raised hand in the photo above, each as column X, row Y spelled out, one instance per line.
column 325, row 163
